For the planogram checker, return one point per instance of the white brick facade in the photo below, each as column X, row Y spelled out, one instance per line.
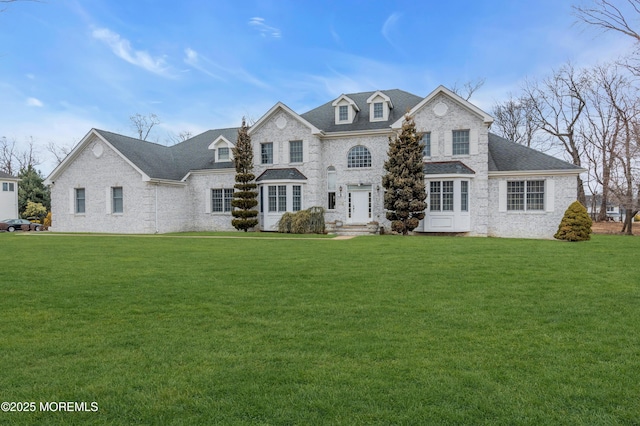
column 182, row 202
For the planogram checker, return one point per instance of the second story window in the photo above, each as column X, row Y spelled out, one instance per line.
column 359, row 156
column 460, row 142
column 266, row 153
column 295, row 151
column 426, row 140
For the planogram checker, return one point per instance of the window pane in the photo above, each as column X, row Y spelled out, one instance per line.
column 228, row 196
column 535, row 195
column 331, row 179
column 80, row 206
column 266, row 153
column 377, row 110
column 434, row 196
column 515, row 195
column 447, row 196
column 216, row 200
column 117, row 199
column 460, row 142
column 273, row 201
column 331, row 202
column 297, row 198
column 223, row 154
column 282, row 198
column 464, row 196
column 343, row 113
column 359, row 156
column 426, row 139
column 295, row 151
column 5, row 186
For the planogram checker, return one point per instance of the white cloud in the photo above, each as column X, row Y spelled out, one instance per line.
column 389, row 25
column 264, row 29
column 122, row 48
column 33, row 102
column 204, row 65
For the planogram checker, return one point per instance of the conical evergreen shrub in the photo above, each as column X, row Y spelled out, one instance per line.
column 575, row 225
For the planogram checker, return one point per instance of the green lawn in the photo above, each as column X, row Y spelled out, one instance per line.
column 373, row 330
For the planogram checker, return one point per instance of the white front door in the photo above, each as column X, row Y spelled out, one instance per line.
column 359, row 207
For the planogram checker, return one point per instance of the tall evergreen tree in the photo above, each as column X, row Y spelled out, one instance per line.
column 404, row 181
column 245, row 196
column 31, row 188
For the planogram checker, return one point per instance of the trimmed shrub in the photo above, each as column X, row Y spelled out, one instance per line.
column 310, row 221
column 575, row 225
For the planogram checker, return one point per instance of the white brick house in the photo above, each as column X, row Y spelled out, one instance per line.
column 332, row 156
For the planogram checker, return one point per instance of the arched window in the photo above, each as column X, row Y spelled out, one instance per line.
column 359, row 156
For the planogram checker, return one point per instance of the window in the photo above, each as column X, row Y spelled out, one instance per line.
column 223, row 154
column 221, row 200
column 282, row 198
column 8, row 186
column 273, row 200
column 266, row 151
column 297, row 198
column 343, row 113
column 80, row 198
column 441, row 196
column 464, row 196
column 460, row 142
column 377, row 110
column 426, row 139
column 295, row 151
column 331, row 188
column 359, row 156
column 116, row 200
column 525, row 195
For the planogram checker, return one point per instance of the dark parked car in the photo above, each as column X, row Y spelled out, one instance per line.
column 19, row 225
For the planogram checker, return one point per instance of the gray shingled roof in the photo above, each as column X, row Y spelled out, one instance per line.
column 446, row 168
column 171, row 162
column 281, row 174
column 4, row 175
column 505, row 155
column 324, row 119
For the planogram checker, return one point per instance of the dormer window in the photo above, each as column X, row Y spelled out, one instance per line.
column 379, row 106
column 222, row 149
column 346, row 110
column 223, row 154
column 343, row 113
column 377, row 110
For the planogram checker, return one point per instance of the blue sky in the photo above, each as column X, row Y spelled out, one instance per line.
column 69, row 65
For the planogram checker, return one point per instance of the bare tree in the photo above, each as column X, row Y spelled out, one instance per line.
column 7, row 156
column 60, row 152
column 558, row 103
column 28, row 157
column 599, row 128
column 467, row 89
column 143, row 124
column 607, row 16
column 625, row 182
column 180, row 137
column 515, row 120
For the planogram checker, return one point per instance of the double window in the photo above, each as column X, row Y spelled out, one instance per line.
column 359, row 156
column 8, row 186
column 79, row 201
column 525, row 195
column 443, row 193
column 266, row 153
column 460, row 142
column 295, row 151
column 277, row 198
column 221, row 200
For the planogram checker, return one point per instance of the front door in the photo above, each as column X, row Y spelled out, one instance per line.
column 359, row 206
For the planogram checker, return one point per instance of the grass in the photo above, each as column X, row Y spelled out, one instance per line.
column 373, row 330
